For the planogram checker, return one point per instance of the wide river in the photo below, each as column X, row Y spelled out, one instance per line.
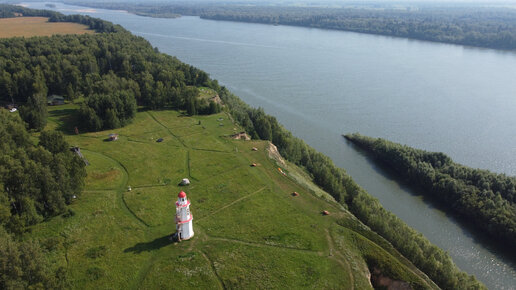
column 321, row 83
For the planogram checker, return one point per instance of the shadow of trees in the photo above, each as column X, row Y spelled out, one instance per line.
column 66, row 120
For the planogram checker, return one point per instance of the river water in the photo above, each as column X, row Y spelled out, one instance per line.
column 321, row 84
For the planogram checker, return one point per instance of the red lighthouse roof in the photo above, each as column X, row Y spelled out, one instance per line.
column 182, row 194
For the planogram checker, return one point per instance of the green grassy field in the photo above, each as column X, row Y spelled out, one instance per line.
column 250, row 232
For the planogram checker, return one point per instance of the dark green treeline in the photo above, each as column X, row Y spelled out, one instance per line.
column 36, row 182
column 487, row 200
column 463, row 24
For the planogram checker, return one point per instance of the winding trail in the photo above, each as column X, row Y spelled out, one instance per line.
column 168, row 129
column 223, row 172
column 187, row 161
column 232, row 203
column 341, row 259
column 122, row 188
column 408, row 264
column 188, row 166
column 214, row 270
column 212, row 150
column 262, row 245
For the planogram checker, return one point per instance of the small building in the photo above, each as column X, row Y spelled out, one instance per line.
column 55, row 100
column 113, row 137
column 184, row 182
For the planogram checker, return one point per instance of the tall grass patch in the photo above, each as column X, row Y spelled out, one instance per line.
column 250, row 267
column 155, row 205
column 103, row 172
column 181, row 270
column 206, row 165
column 222, row 190
column 273, row 222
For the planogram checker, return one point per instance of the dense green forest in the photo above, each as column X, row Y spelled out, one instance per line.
column 111, row 63
column 36, row 182
column 114, row 71
column 487, row 200
column 475, row 26
column 493, row 28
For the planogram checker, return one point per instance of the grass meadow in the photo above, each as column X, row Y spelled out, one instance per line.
column 250, row 231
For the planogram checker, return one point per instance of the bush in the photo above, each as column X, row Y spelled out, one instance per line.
column 96, row 252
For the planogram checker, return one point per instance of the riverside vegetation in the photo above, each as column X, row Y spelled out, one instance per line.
column 492, row 27
column 114, row 238
column 484, row 198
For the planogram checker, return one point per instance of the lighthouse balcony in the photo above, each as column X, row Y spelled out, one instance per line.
column 187, row 203
column 179, row 221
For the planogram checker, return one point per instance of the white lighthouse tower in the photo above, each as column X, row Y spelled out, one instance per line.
column 184, row 218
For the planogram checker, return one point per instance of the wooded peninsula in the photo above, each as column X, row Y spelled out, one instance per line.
column 486, row 200
column 110, row 74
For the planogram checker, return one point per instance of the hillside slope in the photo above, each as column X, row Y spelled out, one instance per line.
column 250, row 231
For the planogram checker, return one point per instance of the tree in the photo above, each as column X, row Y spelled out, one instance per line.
column 5, row 207
column 39, row 87
column 34, row 113
column 53, row 141
column 111, row 121
column 263, row 127
column 89, row 119
column 23, row 265
column 107, row 111
column 191, row 108
column 70, row 93
column 6, row 86
column 214, row 108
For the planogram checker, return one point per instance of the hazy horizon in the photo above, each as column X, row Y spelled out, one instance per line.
column 329, row 3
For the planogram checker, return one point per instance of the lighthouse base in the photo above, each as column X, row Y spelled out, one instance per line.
column 187, row 238
column 176, row 237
